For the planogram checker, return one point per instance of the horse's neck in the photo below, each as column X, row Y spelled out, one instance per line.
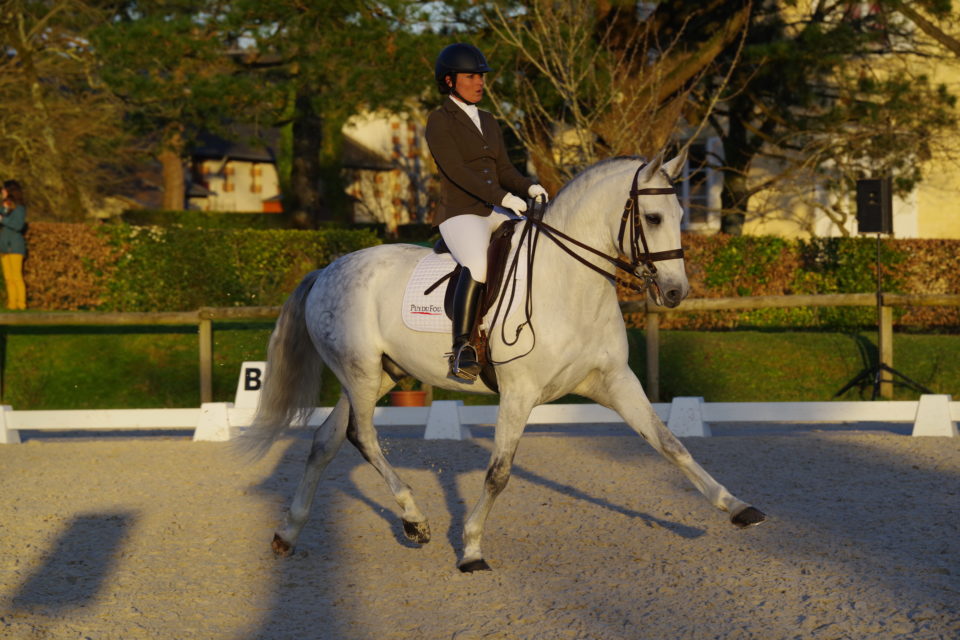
column 591, row 215
column 587, row 216
column 588, row 213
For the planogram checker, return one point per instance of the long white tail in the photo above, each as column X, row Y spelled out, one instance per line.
column 292, row 378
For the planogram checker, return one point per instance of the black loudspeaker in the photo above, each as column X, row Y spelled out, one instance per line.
column 874, row 206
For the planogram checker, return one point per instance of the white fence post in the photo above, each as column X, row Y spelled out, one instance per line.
column 933, row 417
column 686, row 418
column 443, row 422
column 214, row 424
column 7, row 435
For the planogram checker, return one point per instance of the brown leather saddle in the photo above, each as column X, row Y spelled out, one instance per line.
column 497, row 254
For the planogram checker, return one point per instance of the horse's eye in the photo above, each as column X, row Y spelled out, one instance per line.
column 653, row 218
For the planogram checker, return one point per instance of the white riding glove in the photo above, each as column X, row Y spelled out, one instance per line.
column 536, row 190
column 511, row 201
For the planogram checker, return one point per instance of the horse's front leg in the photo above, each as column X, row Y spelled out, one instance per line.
column 623, row 393
column 511, row 422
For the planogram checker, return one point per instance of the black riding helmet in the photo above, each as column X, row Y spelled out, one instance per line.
column 458, row 58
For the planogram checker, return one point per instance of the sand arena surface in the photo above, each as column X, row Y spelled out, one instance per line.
column 595, row 538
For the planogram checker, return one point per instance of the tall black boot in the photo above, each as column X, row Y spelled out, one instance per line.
column 466, row 297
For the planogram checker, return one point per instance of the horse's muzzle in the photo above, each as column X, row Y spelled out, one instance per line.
column 672, row 297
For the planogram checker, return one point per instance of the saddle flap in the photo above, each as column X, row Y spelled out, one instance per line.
column 497, row 254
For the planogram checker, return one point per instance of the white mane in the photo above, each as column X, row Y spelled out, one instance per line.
column 569, row 202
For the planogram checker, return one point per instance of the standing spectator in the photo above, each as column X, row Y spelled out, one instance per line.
column 12, row 245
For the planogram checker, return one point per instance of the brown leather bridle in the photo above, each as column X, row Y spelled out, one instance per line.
column 641, row 263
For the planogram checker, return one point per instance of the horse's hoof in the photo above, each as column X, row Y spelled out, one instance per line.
column 475, row 565
column 281, row 548
column 748, row 517
column 418, row 532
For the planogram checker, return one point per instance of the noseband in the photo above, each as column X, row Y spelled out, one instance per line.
column 641, row 263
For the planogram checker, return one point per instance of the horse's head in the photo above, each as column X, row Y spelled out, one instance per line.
column 650, row 233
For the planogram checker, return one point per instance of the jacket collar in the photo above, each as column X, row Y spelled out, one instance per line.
column 461, row 116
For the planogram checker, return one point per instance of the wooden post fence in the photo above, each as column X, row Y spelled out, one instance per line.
column 885, row 346
column 205, row 318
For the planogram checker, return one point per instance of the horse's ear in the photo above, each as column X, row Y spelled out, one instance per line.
column 651, row 168
column 673, row 168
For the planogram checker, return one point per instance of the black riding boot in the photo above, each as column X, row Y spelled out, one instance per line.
column 466, row 297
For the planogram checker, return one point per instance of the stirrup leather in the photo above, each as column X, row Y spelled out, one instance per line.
column 463, row 363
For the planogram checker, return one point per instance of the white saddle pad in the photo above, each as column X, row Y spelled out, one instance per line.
column 425, row 312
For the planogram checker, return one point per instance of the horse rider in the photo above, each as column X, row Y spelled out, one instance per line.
column 478, row 187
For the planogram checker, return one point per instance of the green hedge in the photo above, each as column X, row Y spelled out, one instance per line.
column 728, row 266
column 133, row 268
column 128, row 268
column 178, row 269
column 204, row 219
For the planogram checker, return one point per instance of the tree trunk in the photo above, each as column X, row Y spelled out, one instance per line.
column 171, row 161
column 739, row 151
column 305, row 200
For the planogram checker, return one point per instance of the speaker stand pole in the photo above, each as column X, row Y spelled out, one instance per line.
column 882, row 374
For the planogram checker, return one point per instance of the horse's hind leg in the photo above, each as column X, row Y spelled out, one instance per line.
column 326, row 442
column 624, row 394
column 363, row 436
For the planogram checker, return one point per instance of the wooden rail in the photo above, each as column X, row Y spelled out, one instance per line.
column 204, row 318
column 887, row 302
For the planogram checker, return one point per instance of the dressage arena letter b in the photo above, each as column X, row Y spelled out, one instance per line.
column 250, row 384
column 252, row 379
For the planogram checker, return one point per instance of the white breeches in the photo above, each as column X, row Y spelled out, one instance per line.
column 468, row 237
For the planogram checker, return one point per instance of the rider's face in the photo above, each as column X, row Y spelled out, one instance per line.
column 469, row 85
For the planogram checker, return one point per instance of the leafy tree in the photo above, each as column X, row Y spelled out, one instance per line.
column 929, row 16
column 58, row 130
column 323, row 62
column 830, row 95
column 170, row 64
column 600, row 79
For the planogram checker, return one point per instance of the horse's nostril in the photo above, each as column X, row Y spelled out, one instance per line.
column 673, row 296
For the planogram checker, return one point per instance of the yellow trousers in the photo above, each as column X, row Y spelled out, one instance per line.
column 13, row 277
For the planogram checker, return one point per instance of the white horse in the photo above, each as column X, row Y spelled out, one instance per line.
column 348, row 315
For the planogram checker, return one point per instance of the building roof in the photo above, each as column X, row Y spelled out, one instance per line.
column 356, row 155
column 244, row 143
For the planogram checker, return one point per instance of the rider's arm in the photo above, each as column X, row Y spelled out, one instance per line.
column 511, row 179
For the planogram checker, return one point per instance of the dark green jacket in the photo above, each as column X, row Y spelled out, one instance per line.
column 11, row 230
column 475, row 171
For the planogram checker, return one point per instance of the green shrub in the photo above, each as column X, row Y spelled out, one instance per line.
column 204, row 219
column 174, row 269
column 727, row 266
column 134, row 268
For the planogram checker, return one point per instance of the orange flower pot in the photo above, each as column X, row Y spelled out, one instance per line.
column 408, row 398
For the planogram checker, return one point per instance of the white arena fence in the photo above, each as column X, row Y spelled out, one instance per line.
column 931, row 415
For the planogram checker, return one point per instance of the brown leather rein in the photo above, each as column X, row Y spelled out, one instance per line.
column 644, row 260
column 639, row 260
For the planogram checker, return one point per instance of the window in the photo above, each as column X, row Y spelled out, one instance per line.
column 696, row 188
column 229, row 183
column 700, row 185
column 256, row 178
